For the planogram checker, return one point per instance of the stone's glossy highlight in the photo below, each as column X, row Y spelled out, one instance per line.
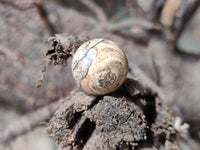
column 99, row 66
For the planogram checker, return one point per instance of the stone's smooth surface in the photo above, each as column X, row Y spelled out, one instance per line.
column 189, row 41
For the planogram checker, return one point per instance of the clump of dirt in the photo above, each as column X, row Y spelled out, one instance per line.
column 120, row 119
column 126, row 119
column 62, row 47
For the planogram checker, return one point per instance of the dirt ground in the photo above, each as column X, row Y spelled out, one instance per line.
column 25, row 28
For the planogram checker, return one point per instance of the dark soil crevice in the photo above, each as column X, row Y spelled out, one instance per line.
column 84, row 133
column 74, row 120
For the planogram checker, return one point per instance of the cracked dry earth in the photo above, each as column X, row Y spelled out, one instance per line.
column 120, row 120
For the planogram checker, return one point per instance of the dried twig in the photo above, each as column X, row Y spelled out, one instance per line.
column 27, row 123
column 44, row 16
column 134, row 8
column 18, row 104
column 40, row 8
column 17, row 6
column 131, row 22
column 118, row 28
column 99, row 12
column 169, row 11
column 156, row 69
column 40, row 81
column 157, row 8
column 5, row 51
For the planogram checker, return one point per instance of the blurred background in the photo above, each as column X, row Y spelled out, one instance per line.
column 160, row 37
